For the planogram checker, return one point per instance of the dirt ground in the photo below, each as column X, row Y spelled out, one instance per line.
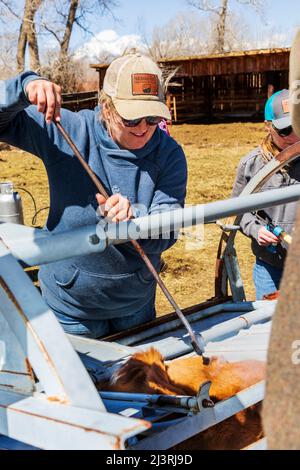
column 213, row 152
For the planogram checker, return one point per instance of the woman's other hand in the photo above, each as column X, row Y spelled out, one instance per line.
column 266, row 238
column 47, row 97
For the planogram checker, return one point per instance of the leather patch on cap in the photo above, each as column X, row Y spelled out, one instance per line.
column 286, row 106
column 144, row 84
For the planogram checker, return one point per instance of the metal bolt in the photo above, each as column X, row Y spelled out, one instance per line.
column 94, row 239
column 207, row 403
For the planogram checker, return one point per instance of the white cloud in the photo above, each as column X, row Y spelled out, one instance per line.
column 108, row 44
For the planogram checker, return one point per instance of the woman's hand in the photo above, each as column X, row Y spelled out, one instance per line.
column 116, row 208
column 266, row 238
column 47, row 97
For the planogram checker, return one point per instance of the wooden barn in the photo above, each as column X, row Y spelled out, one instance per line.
column 231, row 85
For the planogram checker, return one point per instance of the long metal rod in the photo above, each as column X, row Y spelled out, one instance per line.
column 195, row 341
column 187, row 402
column 36, row 247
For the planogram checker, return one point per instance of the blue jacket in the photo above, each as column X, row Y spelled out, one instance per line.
column 116, row 282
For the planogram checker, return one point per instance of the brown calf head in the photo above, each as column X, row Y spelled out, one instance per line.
column 146, row 372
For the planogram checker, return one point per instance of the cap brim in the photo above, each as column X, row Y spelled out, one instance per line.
column 135, row 109
column 282, row 123
column 294, row 84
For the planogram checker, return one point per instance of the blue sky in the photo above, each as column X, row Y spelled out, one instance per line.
column 134, row 15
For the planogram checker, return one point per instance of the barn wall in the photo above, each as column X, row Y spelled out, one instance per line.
column 234, row 85
column 239, row 95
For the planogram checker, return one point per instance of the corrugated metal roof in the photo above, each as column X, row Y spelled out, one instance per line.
column 232, row 54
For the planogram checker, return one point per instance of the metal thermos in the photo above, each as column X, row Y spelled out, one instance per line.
column 10, row 204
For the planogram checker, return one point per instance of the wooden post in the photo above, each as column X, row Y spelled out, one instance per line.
column 169, row 103
column 174, row 109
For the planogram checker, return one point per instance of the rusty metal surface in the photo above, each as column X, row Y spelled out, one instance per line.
column 42, row 343
column 37, row 422
column 15, row 372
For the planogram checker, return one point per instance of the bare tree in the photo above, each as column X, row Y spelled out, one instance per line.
column 28, row 36
column 220, row 9
column 59, row 18
column 185, row 34
column 33, row 20
column 62, row 16
column 13, row 19
column 7, row 57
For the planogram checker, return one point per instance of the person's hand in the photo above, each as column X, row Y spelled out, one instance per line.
column 47, row 97
column 116, row 208
column 266, row 238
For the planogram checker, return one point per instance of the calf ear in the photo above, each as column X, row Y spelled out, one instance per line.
column 295, row 84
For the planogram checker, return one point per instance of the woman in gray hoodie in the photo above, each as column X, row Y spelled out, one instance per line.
column 270, row 253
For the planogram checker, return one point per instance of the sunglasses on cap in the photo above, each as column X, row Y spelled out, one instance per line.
column 283, row 132
column 150, row 120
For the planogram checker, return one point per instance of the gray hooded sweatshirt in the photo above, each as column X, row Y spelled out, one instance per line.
column 283, row 215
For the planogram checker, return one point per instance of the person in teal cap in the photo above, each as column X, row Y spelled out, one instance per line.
column 269, row 251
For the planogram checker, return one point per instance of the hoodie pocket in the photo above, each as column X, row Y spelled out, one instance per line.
column 103, row 291
column 69, row 280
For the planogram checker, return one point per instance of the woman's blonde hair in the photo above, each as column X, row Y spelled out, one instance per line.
column 106, row 104
column 108, row 111
column 269, row 150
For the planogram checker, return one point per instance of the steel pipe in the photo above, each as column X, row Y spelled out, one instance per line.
column 170, row 221
column 37, row 247
column 163, row 328
column 178, row 344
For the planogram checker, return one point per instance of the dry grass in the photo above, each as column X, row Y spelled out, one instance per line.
column 213, row 152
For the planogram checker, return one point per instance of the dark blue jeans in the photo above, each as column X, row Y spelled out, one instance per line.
column 99, row 328
column 266, row 278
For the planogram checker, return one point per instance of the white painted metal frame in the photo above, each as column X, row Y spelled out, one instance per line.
column 208, row 417
column 34, row 347
column 70, row 404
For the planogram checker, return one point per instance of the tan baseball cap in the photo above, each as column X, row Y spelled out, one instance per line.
column 295, row 84
column 134, row 82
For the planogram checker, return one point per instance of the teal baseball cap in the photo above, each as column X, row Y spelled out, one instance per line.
column 277, row 109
